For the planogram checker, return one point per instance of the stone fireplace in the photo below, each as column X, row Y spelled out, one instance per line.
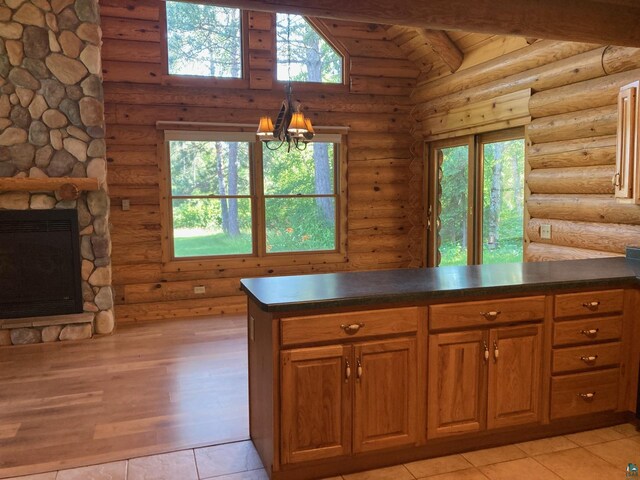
column 52, row 127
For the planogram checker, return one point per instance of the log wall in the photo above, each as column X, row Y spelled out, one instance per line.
column 384, row 159
column 571, row 139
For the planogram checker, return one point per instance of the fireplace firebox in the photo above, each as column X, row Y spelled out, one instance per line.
column 39, row 263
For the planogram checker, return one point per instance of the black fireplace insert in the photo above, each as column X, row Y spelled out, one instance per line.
column 39, row 263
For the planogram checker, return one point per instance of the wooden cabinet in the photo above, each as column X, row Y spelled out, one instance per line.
column 626, row 180
column 343, row 399
column 456, row 396
column 315, row 403
column 385, row 403
column 484, row 379
column 514, row 376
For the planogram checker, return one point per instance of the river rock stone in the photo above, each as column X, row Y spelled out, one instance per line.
column 14, row 3
column 40, row 201
column 7, row 169
column 29, row 14
column 90, row 56
column 20, row 117
column 86, row 269
column 54, row 119
column 5, row 14
column 98, row 202
column 90, row 32
column 14, row 200
column 15, row 52
column 38, row 107
column 97, row 168
column 78, row 133
column 59, row 5
column 5, row 106
column 96, row 132
column 101, row 246
column 25, row 336
column 87, row 10
column 11, row 30
column 52, row 22
column 51, row 333
column 78, row 171
column 91, row 112
column 21, row 77
column 92, row 87
column 72, row 111
column 84, row 216
column 97, row 148
column 56, row 139
column 76, row 332
column 101, row 277
column 105, row 322
column 42, row 4
column 38, row 133
column 86, row 250
column 37, row 68
column 104, row 298
column 25, row 95
column 70, row 44
column 68, row 20
column 5, row 66
column 53, row 92
column 36, row 42
column 54, row 45
column 43, row 156
column 12, row 136
column 61, row 164
column 67, row 70
column 102, row 262
column 5, row 154
column 100, row 225
column 35, row 172
column 76, row 147
column 22, row 155
column 74, row 92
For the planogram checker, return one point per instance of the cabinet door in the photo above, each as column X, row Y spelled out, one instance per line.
column 457, row 383
column 514, row 376
column 316, row 403
column 385, row 405
column 627, row 137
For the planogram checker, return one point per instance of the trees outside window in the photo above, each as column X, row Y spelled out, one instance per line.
column 203, row 40
column 220, row 198
column 476, row 208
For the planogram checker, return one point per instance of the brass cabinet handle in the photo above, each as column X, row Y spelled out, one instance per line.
column 590, row 333
column 359, row 369
column 347, row 371
column 589, row 360
column 486, row 352
column 587, row 397
column 490, row 315
column 352, row 329
column 496, row 352
column 593, row 306
column 616, row 180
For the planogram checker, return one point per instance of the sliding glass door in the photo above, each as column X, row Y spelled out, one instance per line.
column 476, row 199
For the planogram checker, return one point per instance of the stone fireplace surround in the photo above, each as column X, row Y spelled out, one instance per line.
column 51, row 126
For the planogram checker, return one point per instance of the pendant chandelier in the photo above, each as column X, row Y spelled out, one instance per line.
column 292, row 127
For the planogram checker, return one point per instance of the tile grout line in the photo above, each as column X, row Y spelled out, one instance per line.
column 195, row 462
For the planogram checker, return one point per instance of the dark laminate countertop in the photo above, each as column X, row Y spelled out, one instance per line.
column 308, row 292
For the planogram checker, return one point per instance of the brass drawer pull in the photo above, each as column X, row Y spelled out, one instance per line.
column 352, row 329
column 590, row 333
column 359, row 369
column 490, row 315
column 347, row 371
column 587, row 397
column 496, row 352
column 589, row 360
column 593, row 306
column 486, row 352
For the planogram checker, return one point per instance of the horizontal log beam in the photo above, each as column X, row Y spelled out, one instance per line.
column 593, row 236
column 569, row 126
column 582, row 208
column 539, row 252
column 578, row 21
column 594, row 180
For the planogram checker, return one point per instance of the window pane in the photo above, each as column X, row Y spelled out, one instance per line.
column 203, row 40
column 209, row 168
column 303, row 55
column 503, row 202
column 300, row 224
column 454, row 201
column 212, row 226
column 306, row 172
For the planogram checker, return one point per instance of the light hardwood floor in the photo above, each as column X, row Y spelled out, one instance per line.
column 148, row 389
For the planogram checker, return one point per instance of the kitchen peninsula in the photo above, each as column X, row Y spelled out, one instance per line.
column 352, row 371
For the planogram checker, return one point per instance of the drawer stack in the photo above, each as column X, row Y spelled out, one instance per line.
column 587, row 352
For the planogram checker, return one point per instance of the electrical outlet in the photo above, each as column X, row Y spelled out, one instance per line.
column 126, row 204
column 199, row 289
column 545, row 231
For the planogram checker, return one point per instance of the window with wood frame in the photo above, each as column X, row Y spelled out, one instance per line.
column 229, row 196
column 476, row 205
column 303, row 54
column 203, row 40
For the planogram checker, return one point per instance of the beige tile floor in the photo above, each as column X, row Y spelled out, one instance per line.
column 601, row 454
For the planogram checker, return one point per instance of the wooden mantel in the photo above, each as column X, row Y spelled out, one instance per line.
column 613, row 22
column 13, row 184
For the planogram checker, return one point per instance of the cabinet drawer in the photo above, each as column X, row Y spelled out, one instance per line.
column 587, row 331
column 488, row 312
column 584, row 393
column 589, row 303
column 586, row 357
column 323, row 328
